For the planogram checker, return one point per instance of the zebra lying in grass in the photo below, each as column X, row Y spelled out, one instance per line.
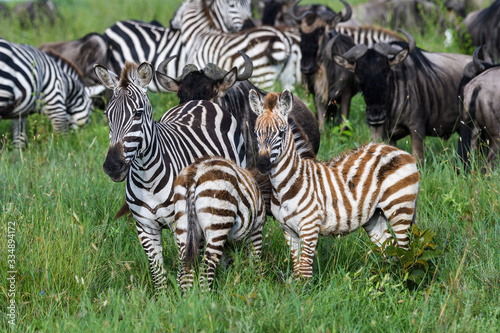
column 219, row 201
column 150, row 154
column 367, row 188
column 33, row 81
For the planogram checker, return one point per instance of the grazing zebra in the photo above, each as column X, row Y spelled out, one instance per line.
column 219, row 201
column 33, row 81
column 275, row 51
column 139, row 42
column 368, row 187
column 150, row 154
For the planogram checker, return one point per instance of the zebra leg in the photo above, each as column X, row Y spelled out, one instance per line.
column 215, row 240
column 293, row 243
column 377, row 229
column 19, row 133
column 185, row 276
column 309, row 240
column 150, row 238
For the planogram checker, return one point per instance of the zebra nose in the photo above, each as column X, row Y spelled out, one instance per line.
column 114, row 165
column 264, row 164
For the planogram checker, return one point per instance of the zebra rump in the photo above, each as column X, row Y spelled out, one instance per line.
column 33, row 81
column 219, row 201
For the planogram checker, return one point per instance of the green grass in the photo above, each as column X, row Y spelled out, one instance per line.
column 80, row 270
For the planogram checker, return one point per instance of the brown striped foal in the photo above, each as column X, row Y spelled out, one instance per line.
column 367, row 187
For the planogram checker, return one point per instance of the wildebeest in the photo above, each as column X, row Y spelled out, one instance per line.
column 325, row 80
column 33, row 13
column 484, row 29
column 230, row 91
column 407, row 91
column 84, row 53
column 480, row 111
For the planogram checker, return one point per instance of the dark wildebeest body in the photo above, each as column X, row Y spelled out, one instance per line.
column 231, row 93
column 484, row 29
column 412, row 95
column 479, row 106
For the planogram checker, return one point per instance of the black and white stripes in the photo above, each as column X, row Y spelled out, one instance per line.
column 150, row 154
column 33, row 81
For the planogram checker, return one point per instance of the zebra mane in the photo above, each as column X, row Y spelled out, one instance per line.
column 302, row 142
column 71, row 64
column 128, row 73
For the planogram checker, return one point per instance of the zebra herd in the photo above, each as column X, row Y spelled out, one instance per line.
column 191, row 171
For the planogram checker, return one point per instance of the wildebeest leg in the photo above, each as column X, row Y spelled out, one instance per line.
column 19, row 132
column 493, row 152
column 345, row 105
column 417, row 144
column 320, row 111
column 150, row 238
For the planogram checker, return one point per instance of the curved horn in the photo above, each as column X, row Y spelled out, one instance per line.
column 291, row 12
column 248, row 67
column 478, row 63
column 385, row 49
column 348, row 12
column 411, row 40
column 162, row 67
column 354, row 53
column 327, row 15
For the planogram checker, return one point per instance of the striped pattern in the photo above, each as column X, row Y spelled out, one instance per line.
column 275, row 51
column 32, row 81
column 150, row 154
column 368, row 35
column 367, row 188
column 138, row 42
column 219, row 201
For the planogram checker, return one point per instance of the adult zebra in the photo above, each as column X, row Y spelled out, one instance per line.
column 139, row 42
column 34, row 81
column 275, row 51
column 149, row 154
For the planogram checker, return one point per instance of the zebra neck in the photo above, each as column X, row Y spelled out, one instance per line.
column 287, row 166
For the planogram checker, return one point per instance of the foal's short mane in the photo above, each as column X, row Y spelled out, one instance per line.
column 127, row 74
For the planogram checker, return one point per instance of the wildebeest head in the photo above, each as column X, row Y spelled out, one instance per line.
column 271, row 126
column 130, row 116
column 314, row 26
column 372, row 72
column 208, row 83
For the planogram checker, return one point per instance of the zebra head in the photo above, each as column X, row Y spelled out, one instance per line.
column 271, row 126
column 230, row 15
column 130, row 116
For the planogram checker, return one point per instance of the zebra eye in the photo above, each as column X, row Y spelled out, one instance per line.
column 138, row 113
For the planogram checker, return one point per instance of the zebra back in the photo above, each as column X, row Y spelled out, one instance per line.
column 369, row 35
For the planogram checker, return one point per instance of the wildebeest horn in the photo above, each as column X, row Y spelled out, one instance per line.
column 162, row 67
column 186, row 70
column 411, row 40
column 354, row 53
column 478, row 63
column 348, row 12
column 248, row 67
column 291, row 12
column 385, row 49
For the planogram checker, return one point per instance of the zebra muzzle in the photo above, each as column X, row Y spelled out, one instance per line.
column 115, row 165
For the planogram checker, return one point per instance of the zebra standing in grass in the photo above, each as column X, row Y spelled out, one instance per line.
column 275, row 51
column 219, row 201
column 367, row 187
column 34, row 81
column 139, row 42
column 150, row 154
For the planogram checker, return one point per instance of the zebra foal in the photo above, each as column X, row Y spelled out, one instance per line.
column 33, row 81
column 149, row 154
column 367, row 187
column 219, row 201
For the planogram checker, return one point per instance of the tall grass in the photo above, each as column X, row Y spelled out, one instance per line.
column 80, row 270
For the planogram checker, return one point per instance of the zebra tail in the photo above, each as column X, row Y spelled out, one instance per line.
column 192, row 239
column 122, row 211
column 466, row 126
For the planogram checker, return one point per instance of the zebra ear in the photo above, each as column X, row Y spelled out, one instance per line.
column 106, row 77
column 145, row 74
column 285, row 102
column 167, row 82
column 255, row 102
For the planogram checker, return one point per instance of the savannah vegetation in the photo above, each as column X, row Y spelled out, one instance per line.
column 78, row 269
